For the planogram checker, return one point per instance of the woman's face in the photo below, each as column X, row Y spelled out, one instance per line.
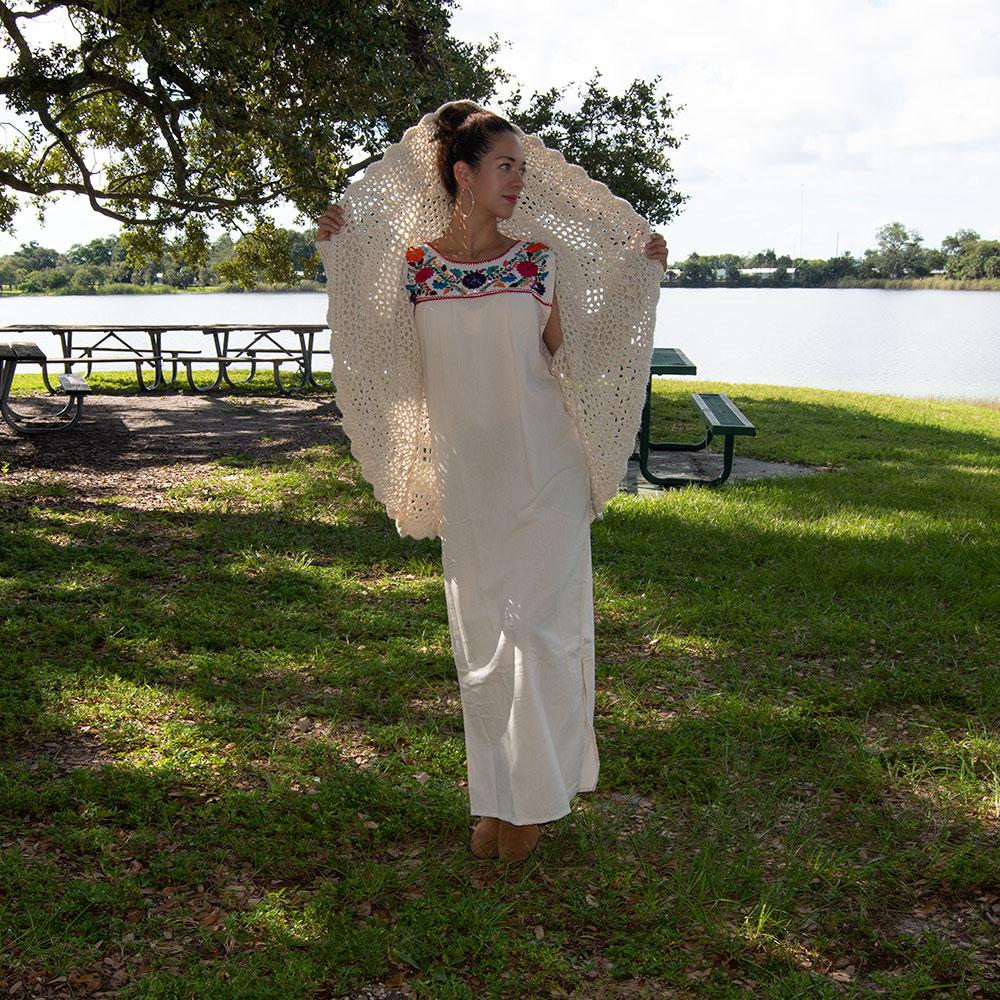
column 498, row 182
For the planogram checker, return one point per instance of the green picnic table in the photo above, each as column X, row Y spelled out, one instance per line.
column 720, row 414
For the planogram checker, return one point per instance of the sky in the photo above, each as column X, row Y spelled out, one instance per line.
column 809, row 124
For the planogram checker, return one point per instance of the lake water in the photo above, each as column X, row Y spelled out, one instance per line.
column 910, row 343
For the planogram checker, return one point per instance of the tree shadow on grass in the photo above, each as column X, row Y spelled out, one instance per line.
column 233, row 642
column 752, row 805
column 190, row 583
column 874, row 574
column 758, row 805
column 230, row 796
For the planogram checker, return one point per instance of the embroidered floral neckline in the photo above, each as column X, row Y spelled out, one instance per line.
column 524, row 267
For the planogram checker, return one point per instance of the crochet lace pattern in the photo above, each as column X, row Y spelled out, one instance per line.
column 606, row 287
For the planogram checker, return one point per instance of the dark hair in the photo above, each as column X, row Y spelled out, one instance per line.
column 464, row 132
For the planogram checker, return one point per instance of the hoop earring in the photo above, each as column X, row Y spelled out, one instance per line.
column 464, row 217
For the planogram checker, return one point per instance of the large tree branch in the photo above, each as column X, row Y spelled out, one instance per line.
column 187, row 205
column 43, row 88
column 355, row 168
column 9, row 19
column 28, row 14
column 41, row 107
column 66, row 85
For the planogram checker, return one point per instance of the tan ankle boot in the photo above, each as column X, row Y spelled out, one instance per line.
column 484, row 838
column 515, row 843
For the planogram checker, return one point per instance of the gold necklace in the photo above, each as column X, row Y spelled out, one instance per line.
column 451, row 240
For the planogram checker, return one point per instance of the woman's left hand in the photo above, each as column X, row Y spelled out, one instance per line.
column 656, row 249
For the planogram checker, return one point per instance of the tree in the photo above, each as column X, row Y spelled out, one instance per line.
column 844, row 266
column 934, row 260
column 165, row 116
column 979, row 259
column 263, row 255
column 698, row 270
column 732, row 263
column 765, row 258
column 87, row 277
column 32, row 257
column 621, row 141
column 8, row 273
column 100, row 251
column 899, row 253
column 44, row 280
column 810, row 273
column 302, row 253
column 198, row 112
column 959, row 242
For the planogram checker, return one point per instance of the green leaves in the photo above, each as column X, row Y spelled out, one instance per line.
column 262, row 255
column 161, row 114
column 619, row 140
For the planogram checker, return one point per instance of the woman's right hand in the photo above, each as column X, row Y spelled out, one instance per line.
column 330, row 222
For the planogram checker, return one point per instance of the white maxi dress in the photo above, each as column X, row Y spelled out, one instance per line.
column 515, row 530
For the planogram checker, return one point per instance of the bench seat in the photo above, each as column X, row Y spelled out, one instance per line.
column 274, row 357
column 721, row 414
column 70, row 383
column 722, row 418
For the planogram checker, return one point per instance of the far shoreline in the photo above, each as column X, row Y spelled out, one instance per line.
column 888, row 284
column 307, row 286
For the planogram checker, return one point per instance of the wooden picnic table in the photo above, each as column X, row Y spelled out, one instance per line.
column 263, row 343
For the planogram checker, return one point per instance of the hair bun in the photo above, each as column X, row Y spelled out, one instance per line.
column 451, row 118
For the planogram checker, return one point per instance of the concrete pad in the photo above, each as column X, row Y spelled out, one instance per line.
column 707, row 465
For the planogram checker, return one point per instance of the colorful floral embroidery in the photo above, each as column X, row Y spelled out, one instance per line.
column 524, row 268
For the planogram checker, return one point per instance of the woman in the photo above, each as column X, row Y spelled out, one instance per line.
column 504, row 437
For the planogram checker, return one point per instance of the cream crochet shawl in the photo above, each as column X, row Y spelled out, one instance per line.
column 607, row 291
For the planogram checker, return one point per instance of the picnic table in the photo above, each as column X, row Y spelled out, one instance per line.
column 109, row 346
column 72, row 385
column 720, row 414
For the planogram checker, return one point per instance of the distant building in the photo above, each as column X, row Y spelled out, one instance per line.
column 764, row 272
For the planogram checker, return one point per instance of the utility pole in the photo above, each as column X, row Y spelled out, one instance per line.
column 802, row 203
column 837, row 254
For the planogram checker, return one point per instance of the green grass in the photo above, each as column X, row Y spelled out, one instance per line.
column 123, row 383
column 234, row 755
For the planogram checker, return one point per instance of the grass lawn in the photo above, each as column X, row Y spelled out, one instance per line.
column 233, row 765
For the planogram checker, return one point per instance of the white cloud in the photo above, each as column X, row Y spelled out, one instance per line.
column 865, row 112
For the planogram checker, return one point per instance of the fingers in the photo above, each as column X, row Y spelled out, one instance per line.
column 330, row 222
column 656, row 249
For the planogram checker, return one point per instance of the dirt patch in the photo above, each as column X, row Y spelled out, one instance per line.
column 141, row 446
